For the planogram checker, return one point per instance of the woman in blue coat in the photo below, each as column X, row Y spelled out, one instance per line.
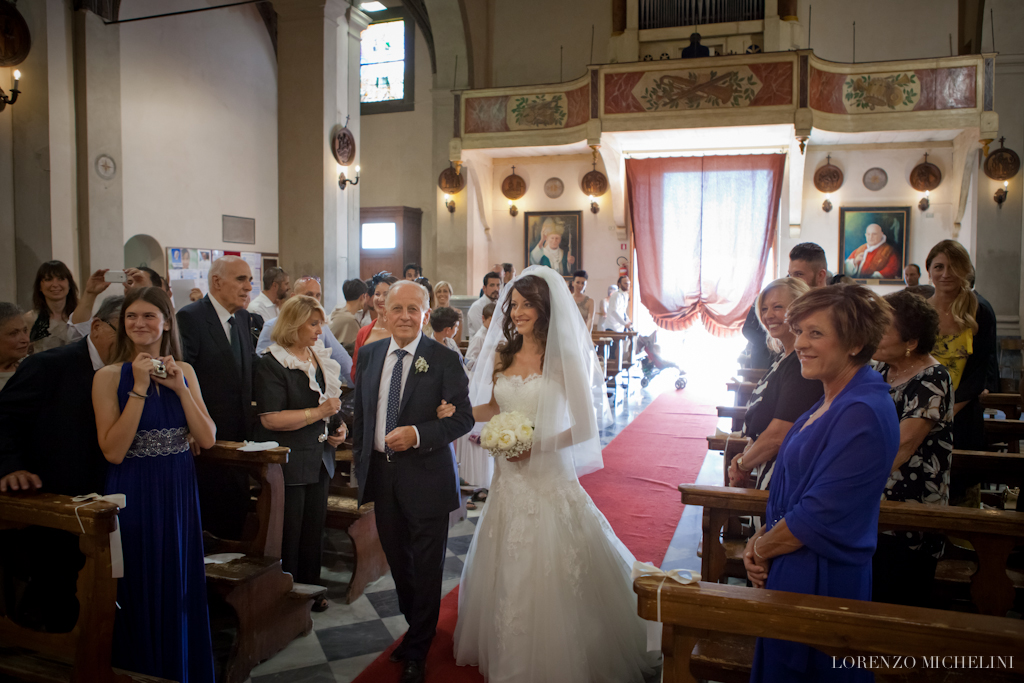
column 822, row 518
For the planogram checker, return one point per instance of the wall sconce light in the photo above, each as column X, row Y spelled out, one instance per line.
column 343, row 181
column 828, row 179
column 924, row 203
column 1000, row 195
column 450, row 203
column 512, row 209
column 594, row 208
column 826, row 205
column 5, row 99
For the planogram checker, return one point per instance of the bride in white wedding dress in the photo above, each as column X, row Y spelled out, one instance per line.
column 546, row 593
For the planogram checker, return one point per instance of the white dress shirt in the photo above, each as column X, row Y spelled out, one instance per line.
column 390, row 361
column 94, row 355
column 476, row 314
column 263, row 306
column 618, row 304
column 476, row 345
column 224, row 316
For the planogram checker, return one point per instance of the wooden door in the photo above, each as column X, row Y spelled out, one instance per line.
column 389, row 238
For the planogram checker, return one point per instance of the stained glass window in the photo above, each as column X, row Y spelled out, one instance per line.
column 382, row 62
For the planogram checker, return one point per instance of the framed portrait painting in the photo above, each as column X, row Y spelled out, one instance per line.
column 555, row 239
column 873, row 243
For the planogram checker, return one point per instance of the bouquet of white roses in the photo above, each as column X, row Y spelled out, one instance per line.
column 507, row 435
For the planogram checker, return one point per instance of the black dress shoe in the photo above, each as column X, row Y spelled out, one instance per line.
column 413, row 672
column 397, row 655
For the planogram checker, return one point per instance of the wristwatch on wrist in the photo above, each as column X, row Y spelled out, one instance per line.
column 739, row 464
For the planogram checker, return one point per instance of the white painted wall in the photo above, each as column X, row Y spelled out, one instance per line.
column 397, row 149
column 886, row 30
column 199, row 125
column 601, row 246
column 926, row 228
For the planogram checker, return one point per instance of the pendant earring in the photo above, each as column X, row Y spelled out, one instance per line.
column 907, row 354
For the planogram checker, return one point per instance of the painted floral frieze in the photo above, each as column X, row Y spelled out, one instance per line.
column 696, row 89
column 881, row 92
column 536, row 112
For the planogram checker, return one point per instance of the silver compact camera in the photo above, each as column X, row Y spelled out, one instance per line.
column 159, row 369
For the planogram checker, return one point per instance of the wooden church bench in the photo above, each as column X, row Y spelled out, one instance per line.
column 271, row 608
column 620, row 351
column 82, row 654
column 1009, row 432
column 741, row 392
column 735, row 413
column 992, row 533
column 751, row 374
column 710, row 630
column 986, row 467
column 358, row 521
column 1008, row 403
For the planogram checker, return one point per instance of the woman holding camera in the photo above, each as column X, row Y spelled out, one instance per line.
column 297, row 391
column 147, row 404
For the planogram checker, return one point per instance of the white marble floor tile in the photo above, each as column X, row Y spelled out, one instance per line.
column 301, row 652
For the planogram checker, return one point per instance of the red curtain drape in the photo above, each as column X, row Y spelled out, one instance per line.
column 703, row 228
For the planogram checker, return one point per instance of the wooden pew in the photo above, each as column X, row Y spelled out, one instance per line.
column 710, row 630
column 986, row 467
column 620, row 350
column 359, row 522
column 83, row 654
column 992, row 533
column 735, row 413
column 1009, row 432
column 1008, row 403
column 272, row 609
column 742, row 392
column 751, row 374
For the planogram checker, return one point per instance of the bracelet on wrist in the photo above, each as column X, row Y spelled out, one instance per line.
column 757, row 554
column 135, row 394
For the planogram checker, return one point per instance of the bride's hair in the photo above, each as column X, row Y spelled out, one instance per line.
column 536, row 291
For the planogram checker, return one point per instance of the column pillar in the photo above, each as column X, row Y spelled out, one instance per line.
column 97, row 74
column 314, row 94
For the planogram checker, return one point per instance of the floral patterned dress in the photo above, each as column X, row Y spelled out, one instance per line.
column 953, row 351
column 924, row 478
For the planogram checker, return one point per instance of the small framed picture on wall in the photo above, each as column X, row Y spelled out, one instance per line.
column 555, row 239
column 873, row 243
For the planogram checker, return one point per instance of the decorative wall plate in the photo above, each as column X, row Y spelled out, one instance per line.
column 15, row 39
column 925, row 176
column 829, row 177
column 554, row 187
column 513, row 186
column 106, row 167
column 1003, row 163
column 343, row 145
column 451, row 181
column 875, row 179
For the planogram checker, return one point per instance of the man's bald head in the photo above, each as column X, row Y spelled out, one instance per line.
column 230, row 280
column 308, row 286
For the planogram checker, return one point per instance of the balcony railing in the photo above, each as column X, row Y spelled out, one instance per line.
column 669, row 13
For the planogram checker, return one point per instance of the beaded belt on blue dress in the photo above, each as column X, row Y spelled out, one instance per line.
column 151, row 443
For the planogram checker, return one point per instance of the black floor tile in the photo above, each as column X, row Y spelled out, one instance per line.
column 385, row 603
column 460, row 544
column 452, row 568
column 352, row 640
column 321, row 673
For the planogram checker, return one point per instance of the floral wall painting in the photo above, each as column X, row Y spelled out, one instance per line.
column 554, row 239
column 873, row 243
column 535, row 112
column 882, row 92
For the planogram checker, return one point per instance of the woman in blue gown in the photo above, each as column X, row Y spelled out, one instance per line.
column 143, row 423
column 822, row 517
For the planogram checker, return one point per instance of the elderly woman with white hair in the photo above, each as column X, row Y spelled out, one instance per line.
column 297, row 392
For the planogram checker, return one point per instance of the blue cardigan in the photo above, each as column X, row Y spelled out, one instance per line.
column 827, row 484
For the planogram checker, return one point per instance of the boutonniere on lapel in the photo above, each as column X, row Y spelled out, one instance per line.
column 421, row 364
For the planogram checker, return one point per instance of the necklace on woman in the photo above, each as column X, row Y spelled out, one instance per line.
column 907, row 372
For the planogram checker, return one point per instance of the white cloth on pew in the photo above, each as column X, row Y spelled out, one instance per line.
column 116, row 554
column 682, row 576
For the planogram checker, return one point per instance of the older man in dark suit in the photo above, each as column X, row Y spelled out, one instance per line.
column 48, row 442
column 216, row 340
column 405, row 462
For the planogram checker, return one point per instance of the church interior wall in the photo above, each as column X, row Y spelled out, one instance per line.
column 397, row 151
column 926, row 227
column 601, row 243
column 199, row 126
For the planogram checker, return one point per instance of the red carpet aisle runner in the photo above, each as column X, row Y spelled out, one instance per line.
column 637, row 491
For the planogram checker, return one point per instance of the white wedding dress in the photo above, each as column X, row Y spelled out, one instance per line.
column 546, row 594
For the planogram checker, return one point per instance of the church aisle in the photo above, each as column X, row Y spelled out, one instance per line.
column 347, row 638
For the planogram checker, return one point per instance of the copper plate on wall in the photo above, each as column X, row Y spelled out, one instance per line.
column 828, row 178
column 513, row 186
column 925, row 177
column 875, row 179
column 451, row 181
column 594, row 184
column 15, row 39
column 1002, row 164
column 343, row 145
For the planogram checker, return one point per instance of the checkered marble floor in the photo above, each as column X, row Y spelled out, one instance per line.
column 346, row 638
